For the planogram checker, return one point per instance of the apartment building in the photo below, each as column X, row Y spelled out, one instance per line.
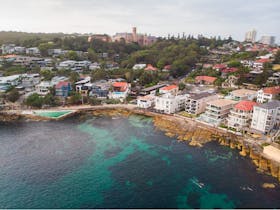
column 196, row 103
column 267, row 94
column 242, row 94
column 217, row 111
column 169, row 103
column 266, row 117
column 241, row 115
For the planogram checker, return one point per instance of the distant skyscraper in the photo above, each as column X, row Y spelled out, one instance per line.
column 269, row 40
column 251, row 36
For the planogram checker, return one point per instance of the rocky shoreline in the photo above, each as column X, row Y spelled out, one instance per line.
column 184, row 129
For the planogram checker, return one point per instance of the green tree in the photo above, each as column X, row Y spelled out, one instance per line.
column 75, row 98
column 50, row 100
column 182, row 86
column 72, row 55
column 34, row 100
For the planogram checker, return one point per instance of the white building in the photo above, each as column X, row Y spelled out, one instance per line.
column 139, row 66
column 268, row 40
column 217, row 111
column 196, row 103
column 169, row 103
column 268, row 94
column 8, row 48
column 242, row 94
column 94, row 66
column 43, row 88
column 145, row 102
column 266, row 117
column 66, row 64
column 250, row 36
column 172, row 89
column 32, row 51
column 241, row 115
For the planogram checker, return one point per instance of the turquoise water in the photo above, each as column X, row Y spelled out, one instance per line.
column 121, row 163
column 52, row 114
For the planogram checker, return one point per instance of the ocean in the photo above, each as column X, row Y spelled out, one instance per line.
column 119, row 162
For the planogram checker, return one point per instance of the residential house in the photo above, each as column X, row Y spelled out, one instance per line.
column 139, row 66
column 266, row 117
column 32, row 51
column 172, row 89
column 167, row 68
column 242, row 94
column 268, row 94
column 169, row 103
column 241, row 115
column 9, row 81
column 94, row 66
column 145, row 102
column 120, row 90
column 219, row 67
column 151, row 90
column 66, row 64
column 63, row 89
column 205, row 80
column 99, row 91
column 150, row 68
column 258, row 64
column 29, row 81
column 43, row 88
column 230, row 82
column 217, row 111
column 274, row 79
column 196, row 103
column 84, row 86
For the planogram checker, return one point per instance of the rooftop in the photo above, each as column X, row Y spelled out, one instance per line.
column 243, row 92
column 270, row 105
column 200, row 95
column 170, row 87
column 272, row 90
column 245, row 105
column 222, row 102
column 206, row 78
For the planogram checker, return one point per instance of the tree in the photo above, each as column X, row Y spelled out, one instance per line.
column 34, row 100
column 50, row 100
column 44, row 47
column 277, row 58
column 13, row 95
column 72, row 55
column 182, row 86
column 75, row 98
column 47, row 74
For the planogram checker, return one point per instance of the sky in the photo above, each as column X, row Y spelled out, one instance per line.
column 155, row 17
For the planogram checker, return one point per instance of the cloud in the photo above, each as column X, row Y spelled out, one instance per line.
column 159, row 17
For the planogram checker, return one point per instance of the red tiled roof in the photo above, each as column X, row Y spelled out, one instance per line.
column 219, row 66
column 150, row 68
column 206, row 79
column 61, row 84
column 263, row 60
column 121, row 85
column 245, row 105
column 272, row 90
column 9, row 56
column 170, row 87
column 230, row 70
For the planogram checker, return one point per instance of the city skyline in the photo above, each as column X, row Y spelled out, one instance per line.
column 158, row 18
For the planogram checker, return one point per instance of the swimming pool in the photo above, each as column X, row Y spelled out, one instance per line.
column 53, row 114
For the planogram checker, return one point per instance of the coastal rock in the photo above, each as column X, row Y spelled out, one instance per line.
column 5, row 117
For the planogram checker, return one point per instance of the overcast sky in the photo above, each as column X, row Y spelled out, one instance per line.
column 156, row 17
